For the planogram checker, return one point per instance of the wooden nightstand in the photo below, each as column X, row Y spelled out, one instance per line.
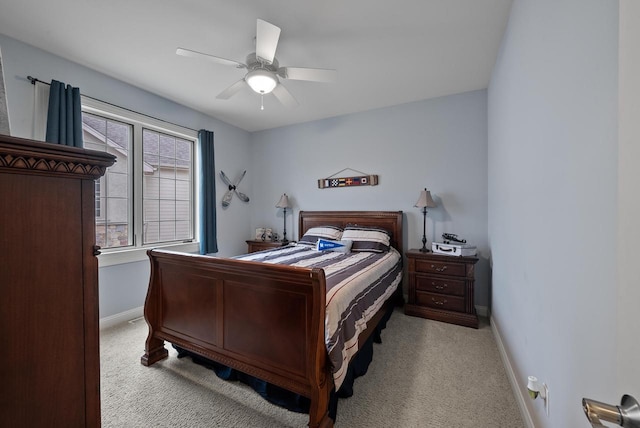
column 441, row 288
column 258, row 245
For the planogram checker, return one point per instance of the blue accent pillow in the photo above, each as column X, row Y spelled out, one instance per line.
column 329, row 245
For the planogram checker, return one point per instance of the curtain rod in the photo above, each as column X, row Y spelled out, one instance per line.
column 33, row 81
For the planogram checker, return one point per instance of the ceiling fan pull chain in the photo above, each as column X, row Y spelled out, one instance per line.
column 261, row 102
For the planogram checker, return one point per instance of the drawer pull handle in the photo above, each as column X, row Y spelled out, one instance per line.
column 439, row 302
column 439, row 287
column 440, row 269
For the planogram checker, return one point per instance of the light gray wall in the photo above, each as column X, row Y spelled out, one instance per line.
column 552, row 120
column 440, row 144
column 628, row 201
column 123, row 287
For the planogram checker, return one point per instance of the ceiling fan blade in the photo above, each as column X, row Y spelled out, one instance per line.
column 267, row 36
column 284, row 96
column 231, row 90
column 310, row 74
column 216, row 59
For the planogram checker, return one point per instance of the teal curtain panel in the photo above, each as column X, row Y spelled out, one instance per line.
column 208, row 239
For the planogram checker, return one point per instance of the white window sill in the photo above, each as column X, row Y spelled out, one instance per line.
column 117, row 257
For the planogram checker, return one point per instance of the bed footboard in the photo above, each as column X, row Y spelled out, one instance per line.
column 264, row 320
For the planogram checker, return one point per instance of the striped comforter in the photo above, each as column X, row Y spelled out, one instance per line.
column 358, row 284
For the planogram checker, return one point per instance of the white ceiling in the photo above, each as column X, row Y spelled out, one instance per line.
column 386, row 52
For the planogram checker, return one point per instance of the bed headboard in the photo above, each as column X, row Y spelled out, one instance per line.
column 389, row 220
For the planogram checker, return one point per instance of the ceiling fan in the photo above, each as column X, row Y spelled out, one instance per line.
column 263, row 69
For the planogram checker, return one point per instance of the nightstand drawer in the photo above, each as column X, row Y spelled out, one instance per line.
column 440, row 267
column 253, row 246
column 440, row 285
column 440, row 301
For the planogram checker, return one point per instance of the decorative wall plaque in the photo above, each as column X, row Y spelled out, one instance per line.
column 359, row 180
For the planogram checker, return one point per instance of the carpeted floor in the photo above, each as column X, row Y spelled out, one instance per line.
column 424, row 374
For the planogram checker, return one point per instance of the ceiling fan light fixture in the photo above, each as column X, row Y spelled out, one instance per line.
column 261, row 81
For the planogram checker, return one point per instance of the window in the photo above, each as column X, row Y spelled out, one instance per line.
column 147, row 197
column 114, row 189
column 167, row 187
column 98, row 206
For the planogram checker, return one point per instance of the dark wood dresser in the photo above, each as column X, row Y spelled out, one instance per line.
column 50, row 362
column 441, row 288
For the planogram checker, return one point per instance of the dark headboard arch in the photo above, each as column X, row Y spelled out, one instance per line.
column 389, row 220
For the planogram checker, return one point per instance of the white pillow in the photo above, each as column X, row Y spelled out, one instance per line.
column 367, row 238
column 312, row 235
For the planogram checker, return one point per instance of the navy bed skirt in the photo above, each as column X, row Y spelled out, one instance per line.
column 290, row 400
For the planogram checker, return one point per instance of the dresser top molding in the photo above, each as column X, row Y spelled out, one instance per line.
column 28, row 156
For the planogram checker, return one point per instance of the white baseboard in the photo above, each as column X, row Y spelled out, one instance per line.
column 125, row 316
column 520, row 396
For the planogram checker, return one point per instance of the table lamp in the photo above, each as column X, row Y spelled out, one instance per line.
column 425, row 201
column 284, row 204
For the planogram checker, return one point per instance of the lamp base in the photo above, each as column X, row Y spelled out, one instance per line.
column 285, row 241
column 424, row 248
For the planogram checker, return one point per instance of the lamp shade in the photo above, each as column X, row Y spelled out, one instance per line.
column 283, row 202
column 261, row 81
column 425, row 200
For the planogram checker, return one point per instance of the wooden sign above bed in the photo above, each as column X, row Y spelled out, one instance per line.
column 360, row 180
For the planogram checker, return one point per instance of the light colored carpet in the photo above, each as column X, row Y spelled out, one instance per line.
column 424, row 374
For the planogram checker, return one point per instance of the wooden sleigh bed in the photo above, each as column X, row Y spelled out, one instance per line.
column 266, row 320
